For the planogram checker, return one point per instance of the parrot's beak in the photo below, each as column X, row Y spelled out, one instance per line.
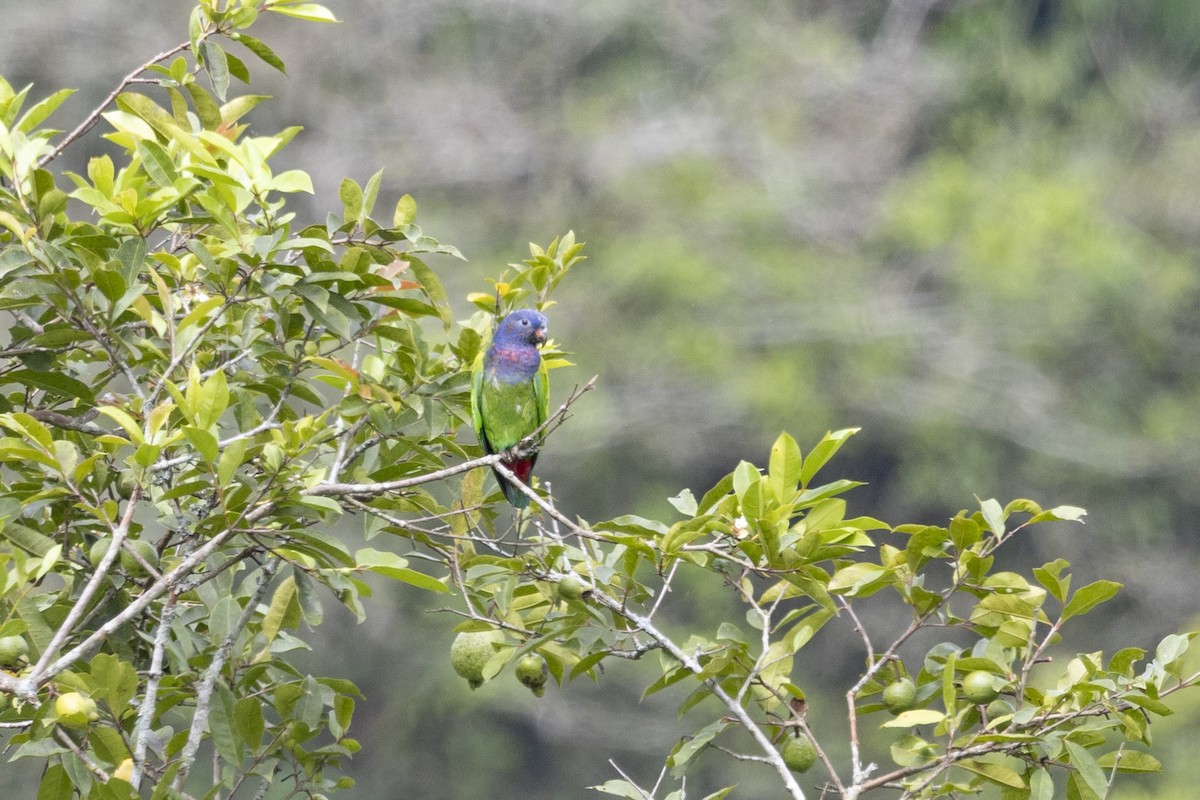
column 539, row 335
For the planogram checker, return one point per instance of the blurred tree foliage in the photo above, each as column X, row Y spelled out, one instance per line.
column 969, row 227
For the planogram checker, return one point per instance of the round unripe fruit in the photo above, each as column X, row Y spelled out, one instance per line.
column 12, row 650
column 997, row 709
column 570, row 588
column 98, row 549
column 532, row 671
column 74, row 710
column 470, row 652
column 798, row 753
column 144, row 549
column 126, row 485
column 899, row 695
column 980, row 687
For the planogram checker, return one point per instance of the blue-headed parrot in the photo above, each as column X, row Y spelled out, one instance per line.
column 510, row 395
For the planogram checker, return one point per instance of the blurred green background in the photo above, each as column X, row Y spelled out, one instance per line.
column 969, row 227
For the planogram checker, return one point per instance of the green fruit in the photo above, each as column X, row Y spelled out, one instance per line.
column 997, row 709
column 899, row 695
column 12, row 650
column 798, row 753
column 144, row 549
column 471, row 651
column 125, row 485
column 532, row 671
column 98, row 549
column 570, row 588
column 980, row 687
column 74, row 710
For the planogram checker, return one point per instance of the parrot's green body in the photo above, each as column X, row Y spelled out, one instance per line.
column 510, row 396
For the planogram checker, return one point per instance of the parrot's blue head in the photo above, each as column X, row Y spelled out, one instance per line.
column 524, row 326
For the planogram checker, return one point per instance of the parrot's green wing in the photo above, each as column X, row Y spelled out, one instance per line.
column 541, row 391
column 476, row 395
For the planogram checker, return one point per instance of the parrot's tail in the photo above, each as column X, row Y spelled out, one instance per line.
column 523, row 469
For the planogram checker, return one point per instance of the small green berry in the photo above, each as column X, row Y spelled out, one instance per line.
column 798, row 753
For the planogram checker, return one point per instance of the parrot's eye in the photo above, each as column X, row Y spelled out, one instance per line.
column 525, row 322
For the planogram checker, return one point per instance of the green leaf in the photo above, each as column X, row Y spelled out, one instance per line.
column 28, row 539
column 747, row 485
column 350, row 193
column 204, row 442
column 1150, row 704
column 260, row 49
column 914, row 717
column 1088, row 597
column 53, row 382
column 212, row 401
column 283, row 609
column 393, row 566
column 56, row 784
column 293, row 180
column 432, row 287
column 310, row 600
column 405, row 213
column 993, row 515
column 964, row 532
column 1041, row 785
column 1129, row 761
column 856, row 578
column 693, row 744
column 113, row 680
column 825, row 449
column 41, row 110
column 370, row 192
column 232, row 457
column 996, row 773
column 619, row 789
column 714, row 495
column 248, row 721
column 309, row 11
column 784, row 468
column 1087, row 768
column 217, row 66
column 1048, row 576
column 1171, row 648
column 220, row 724
column 1063, row 513
column 206, row 108
column 684, row 503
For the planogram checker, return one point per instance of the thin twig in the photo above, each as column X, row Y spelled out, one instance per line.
column 689, row 662
column 213, row 672
column 89, row 590
column 94, row 117
column 87, row 760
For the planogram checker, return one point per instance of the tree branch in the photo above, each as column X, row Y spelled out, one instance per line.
column 213, row 673
column 145, row 717
column 94, row 117
column 85, row 597
column 692, row 665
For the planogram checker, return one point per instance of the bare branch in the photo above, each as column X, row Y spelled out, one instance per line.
column 690, row 663
column 213, row 673
column 141, row 732
column 85, row 597
column 57, row 420
column 94, row 117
